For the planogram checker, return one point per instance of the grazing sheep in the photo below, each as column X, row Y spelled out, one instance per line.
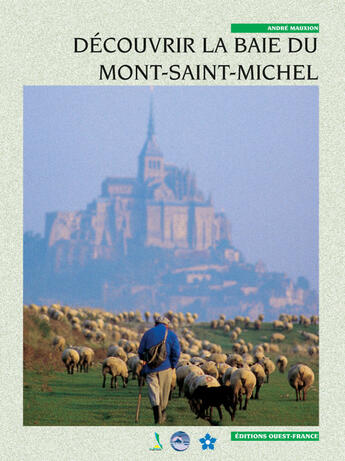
column 115, row 367
column 182, row 372
column 100, row 336
column 268, row 366
column 248, row 358
column 312, row 350
column 298, row 349
column 217, row 357
column 233, row 336
column 227, row 375
column 234, row 360
column 238, row 330
column 117, row 351
column 314, row 319
column 258, row 348
column 239, row 319
column 135, row 365
column 236, row 347
column 70, row 358
column 147, row 316
column 193, row 384
column 188, row 382
column 222, row 367
column 258, row 356
column 182, row 363
column 266, row 347
column 205, row 354
column 274, row 348
column 241, row 382
column 205, row 398
column 288, row 326
column 34, row 309
column 44, row 318
column 281, row 363
column 257, row 324
column 197, row 361
column 300, row 377
column 44, row 309
column 210, row 368
column 277, row 338
column 214, row 324
column 215, row 348
column 59, row 343
column 277, row 325
column 185, row 356
column 310, row 337
column 260, row 375
column 87, row 356
column 243, row 349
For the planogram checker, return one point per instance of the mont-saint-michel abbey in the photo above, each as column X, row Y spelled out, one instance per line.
column 154, row 242
column 162, row 207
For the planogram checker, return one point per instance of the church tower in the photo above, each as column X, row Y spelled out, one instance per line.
column 151, row 162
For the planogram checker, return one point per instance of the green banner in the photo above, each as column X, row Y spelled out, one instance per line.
column 256, row 436
column 275, row 28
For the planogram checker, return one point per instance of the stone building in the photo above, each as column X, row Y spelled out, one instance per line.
column 162, row 207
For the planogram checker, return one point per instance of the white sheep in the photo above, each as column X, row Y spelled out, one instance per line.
column 277, row 338
column 203, row 380
column 242, row 381
column 227, row 375
column 234, row 360
column 70, row 358
column 217, row 357
column 210, row 368
column 281, row 363
column 115, row 367
column 260, row 375
column 300, row 377
column 117, row 351
column 59, row 343
column 135, row 365
column 268, row 366
column 87, row 356
column 182, row 372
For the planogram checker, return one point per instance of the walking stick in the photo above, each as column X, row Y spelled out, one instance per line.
column 139, row 399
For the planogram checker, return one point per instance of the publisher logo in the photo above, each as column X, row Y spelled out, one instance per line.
column 207, row 442
column 180, row 441
column 158, row 446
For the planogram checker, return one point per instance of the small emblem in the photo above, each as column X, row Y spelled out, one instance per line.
column 207, row 442
column 180, row 441
column 158, row 446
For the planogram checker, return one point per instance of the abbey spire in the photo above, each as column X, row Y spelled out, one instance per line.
column 151, row 163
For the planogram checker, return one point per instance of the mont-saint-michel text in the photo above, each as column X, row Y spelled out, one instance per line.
column 204, row 46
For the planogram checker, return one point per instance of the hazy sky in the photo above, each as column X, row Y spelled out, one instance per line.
column 254, row 148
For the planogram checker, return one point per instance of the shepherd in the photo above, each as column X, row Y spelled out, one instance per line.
column 160, row 349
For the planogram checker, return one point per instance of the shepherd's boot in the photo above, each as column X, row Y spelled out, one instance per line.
column 157, row 414
column 164, row 415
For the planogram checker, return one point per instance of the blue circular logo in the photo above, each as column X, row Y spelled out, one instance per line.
column 179, row 441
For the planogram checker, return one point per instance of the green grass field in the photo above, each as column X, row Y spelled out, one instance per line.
column 56, row 398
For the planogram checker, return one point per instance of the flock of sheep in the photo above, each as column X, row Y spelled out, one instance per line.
column 205, row 375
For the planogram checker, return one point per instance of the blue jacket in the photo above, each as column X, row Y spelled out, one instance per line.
column 154, row 336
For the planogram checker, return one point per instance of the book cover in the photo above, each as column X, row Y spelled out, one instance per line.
column 171, row 173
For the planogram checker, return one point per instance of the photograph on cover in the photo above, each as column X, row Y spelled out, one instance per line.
column 171, row 256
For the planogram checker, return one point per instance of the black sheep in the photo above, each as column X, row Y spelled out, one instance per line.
column 209, row 397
